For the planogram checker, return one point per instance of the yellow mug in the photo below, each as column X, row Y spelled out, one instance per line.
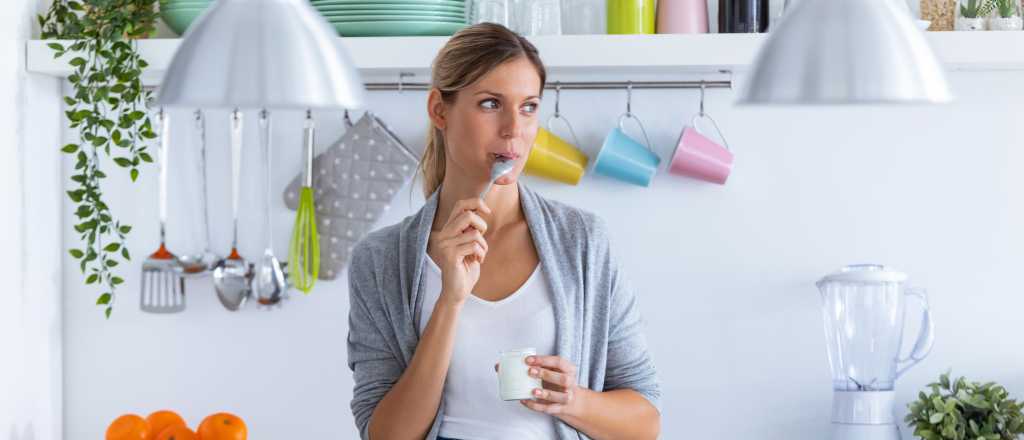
column 555, row 159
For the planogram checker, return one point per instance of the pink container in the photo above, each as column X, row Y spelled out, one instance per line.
column 682, row 17
column 699, row 157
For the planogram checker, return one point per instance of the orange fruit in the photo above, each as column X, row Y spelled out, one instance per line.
column 176, row 432
column 161, row 420
column 128, row 427
column 222, row 426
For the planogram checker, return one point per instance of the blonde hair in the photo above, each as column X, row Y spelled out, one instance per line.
column 469, row 55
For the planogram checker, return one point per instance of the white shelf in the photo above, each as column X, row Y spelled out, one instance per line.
column 596, row 57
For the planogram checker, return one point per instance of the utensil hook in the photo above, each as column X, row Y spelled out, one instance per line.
column 558, row 114
column 401, row 80
column 703, row 115
column 629, row 98
column 558, row 97
column 703, row 87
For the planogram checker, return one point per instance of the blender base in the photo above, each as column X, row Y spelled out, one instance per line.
column 864, row 415
column 843, row 431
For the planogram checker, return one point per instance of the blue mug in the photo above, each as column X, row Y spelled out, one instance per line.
column 625, row 159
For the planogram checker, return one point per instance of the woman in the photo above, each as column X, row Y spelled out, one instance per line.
column 434, row 298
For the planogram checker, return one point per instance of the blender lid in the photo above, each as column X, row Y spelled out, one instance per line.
column 866, row 273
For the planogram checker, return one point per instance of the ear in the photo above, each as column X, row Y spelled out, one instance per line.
column 436, row 108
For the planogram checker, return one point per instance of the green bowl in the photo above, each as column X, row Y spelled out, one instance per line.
column 184, row 8
column 391, row 18
column 179, row 19
column 459, row 3
column 190, row 3
column 419, row 15
column 390, row 7
column 396, row 28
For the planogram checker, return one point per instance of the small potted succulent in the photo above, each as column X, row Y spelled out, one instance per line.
column 1006, row 17
column 972, row 15
column 963, row 410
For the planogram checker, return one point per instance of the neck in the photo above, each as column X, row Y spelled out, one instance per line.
column 502, row 199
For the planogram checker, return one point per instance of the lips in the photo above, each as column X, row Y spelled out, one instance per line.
column 505, row 156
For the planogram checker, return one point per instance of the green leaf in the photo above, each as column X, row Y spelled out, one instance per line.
column 124, row 253
column 91, row 279
column 123, row 162
column 125, row 229
column 69, row 100
column 103, row 299
column 936, row 417
column 146, row 157
column 112, row 247
column 77, row 253
column 70, row 148
column 134, row 174
column 109, row 309
column 111, row 263
column 55, row 46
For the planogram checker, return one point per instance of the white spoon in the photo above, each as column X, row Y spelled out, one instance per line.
column 501, row 167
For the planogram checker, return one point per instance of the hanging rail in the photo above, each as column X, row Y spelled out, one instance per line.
column 565, row 85
column 577, row 85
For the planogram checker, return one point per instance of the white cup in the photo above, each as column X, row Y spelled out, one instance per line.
column 514, row 381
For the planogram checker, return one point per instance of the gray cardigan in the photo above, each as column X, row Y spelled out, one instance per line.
column 597, row 314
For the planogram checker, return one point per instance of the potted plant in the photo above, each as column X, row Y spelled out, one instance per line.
column 963, row 410
column 1007, row 16
column 106, row 105
column 971, row 15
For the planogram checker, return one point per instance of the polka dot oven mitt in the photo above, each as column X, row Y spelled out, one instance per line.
column 354, row 182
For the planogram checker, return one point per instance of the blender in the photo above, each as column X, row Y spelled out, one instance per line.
column 864, row 307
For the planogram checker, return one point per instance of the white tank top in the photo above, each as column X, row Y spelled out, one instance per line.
column 525, row 318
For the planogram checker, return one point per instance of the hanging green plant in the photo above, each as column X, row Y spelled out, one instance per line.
column 106, row 106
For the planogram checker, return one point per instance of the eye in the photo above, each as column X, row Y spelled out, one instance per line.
column 530, row 107
column 489, row 104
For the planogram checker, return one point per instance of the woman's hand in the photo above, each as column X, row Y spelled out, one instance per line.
column 560, row 396
column 461, row 247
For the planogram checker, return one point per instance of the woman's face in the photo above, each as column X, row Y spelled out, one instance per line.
column 495, row 117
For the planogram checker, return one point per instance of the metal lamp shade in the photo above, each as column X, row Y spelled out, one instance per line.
column 261, row 54
column 828, row 52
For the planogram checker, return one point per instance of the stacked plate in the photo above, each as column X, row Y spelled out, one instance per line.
column 179, row 14
column 383, row 18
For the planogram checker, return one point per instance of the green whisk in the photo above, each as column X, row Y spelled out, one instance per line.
column 304, row 251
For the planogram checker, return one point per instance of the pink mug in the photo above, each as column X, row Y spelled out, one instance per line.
column 682, row 17
column 699, row 157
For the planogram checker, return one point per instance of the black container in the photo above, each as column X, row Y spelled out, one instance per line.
column 742, row 16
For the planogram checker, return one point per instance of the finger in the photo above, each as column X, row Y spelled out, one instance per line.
column 473, row 204
column 469, row 237
column 551, row 376
column 552, row 386
column 464, row 221
column 552, row 396
column 467, row 249
column 552, row 362
column 546, row 408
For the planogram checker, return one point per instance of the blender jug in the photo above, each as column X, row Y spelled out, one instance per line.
column 864, row 307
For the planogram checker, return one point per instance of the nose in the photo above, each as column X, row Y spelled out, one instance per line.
column 511, row 124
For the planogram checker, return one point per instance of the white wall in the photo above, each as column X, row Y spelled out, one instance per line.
column 725, row 273
column 30, row 228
